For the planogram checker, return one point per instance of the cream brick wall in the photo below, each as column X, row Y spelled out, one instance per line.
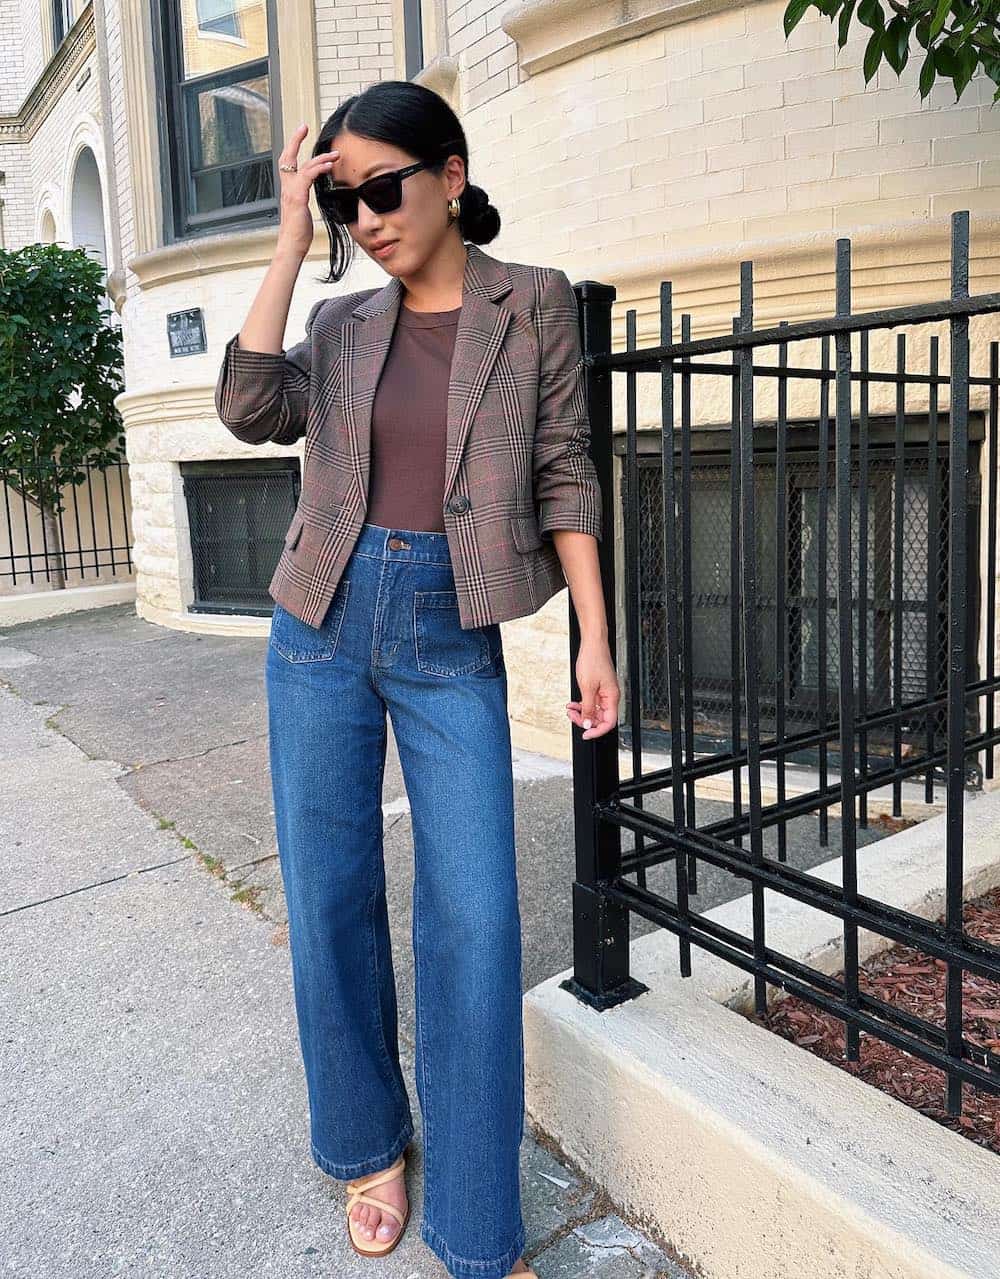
column 762, row 131
column 354, row 43
column 32, row 45
column 11, row 58
column 121, row 164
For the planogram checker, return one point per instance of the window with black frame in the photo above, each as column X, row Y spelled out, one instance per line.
column 413, row 38
column 238, row 514
column 62, row 20
column 904, row 503
column 220, row 124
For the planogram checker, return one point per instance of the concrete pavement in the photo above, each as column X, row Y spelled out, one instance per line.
column 154, row 1095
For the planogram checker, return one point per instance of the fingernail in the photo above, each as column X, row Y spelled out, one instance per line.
column 587, row 723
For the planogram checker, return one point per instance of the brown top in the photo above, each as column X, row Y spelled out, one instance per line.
column 406, row 475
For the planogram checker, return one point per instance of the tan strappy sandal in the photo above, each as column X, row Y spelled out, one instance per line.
column 356, row 1188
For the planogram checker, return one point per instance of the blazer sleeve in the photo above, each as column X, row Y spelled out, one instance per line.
column 263, row 397
column 566, row 488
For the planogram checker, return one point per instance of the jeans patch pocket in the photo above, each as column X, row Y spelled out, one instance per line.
column 442, row 646
column 297, row 641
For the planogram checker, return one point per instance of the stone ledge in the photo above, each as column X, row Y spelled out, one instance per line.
column 30, row 606
column 754, row 1158
column 551, row 32
column 245, row 625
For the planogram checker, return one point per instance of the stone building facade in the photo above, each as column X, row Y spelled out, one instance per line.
column 623, row 144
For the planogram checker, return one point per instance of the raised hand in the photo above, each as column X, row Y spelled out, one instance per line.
column 295, row 232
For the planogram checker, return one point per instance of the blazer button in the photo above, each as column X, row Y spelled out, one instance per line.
column 459, row 504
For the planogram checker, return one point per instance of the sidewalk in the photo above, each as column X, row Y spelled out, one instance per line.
column 157, row 1116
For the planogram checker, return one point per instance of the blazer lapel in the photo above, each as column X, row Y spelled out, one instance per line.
column 367, row 335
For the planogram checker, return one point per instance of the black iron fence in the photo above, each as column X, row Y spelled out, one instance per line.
column 816, row 595
column 55, row 534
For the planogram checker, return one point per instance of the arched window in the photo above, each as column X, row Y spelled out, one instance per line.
column 219, row 119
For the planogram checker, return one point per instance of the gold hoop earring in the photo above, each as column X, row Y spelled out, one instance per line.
column 454, row 208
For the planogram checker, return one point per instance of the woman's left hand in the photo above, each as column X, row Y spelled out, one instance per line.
column 599, row 691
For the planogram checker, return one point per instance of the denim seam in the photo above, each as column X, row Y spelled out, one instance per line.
column 397, row 557
column 420, row 1012
column 360, row 1166
column 393, row 1069
column 472, row 1267
column 372, row 970
column 376, row 626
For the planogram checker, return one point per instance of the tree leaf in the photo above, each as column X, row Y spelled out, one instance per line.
column 940, row 14
column 846, row 14
column 927, row 74
column 794, row 12
column 870, row 13
column 873, row 54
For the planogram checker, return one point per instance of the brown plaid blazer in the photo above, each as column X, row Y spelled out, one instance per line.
column 517, row 460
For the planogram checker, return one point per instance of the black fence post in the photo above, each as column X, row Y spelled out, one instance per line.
column 600, row 927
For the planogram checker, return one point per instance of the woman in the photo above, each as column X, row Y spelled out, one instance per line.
column 446, row 487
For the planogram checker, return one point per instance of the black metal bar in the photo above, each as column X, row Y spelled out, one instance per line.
column 845, row 657
column 671, row 606
column 734, row 583
column 748, row 613
column 687, row 592
column 125, row 524
column 822, row 542
column 633, row 583
column 726, row 761
column 600, row 927
column 933, row 563
column 872, row 916
column 958, row 492
column 919, row 313
column 93, row 516
column 93, row 528
column 792, row 372
column 781, row 580
column 863, row 500
column 897, row 572
column 993, row 426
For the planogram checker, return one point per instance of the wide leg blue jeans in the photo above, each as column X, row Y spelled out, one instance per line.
column 391, row 641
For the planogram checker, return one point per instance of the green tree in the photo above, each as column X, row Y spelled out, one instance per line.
column 959, row 37
column 60, row 369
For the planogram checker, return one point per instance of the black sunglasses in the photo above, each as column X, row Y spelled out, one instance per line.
column 382, row 193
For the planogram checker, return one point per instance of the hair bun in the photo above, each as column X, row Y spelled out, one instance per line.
column 480, row 221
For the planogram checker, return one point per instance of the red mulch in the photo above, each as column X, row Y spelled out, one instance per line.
column 913, row 981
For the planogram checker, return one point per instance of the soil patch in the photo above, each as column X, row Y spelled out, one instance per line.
column 914, row 982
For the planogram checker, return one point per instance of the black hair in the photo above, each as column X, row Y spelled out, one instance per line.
column 420, row 122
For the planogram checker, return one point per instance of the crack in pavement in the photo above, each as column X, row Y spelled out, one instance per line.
column 98, row 883
column 179, row 759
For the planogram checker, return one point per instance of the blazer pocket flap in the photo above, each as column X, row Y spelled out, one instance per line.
column 294, row 530
column 526, row 534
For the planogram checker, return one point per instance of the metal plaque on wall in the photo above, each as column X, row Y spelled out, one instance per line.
column 186, row 332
